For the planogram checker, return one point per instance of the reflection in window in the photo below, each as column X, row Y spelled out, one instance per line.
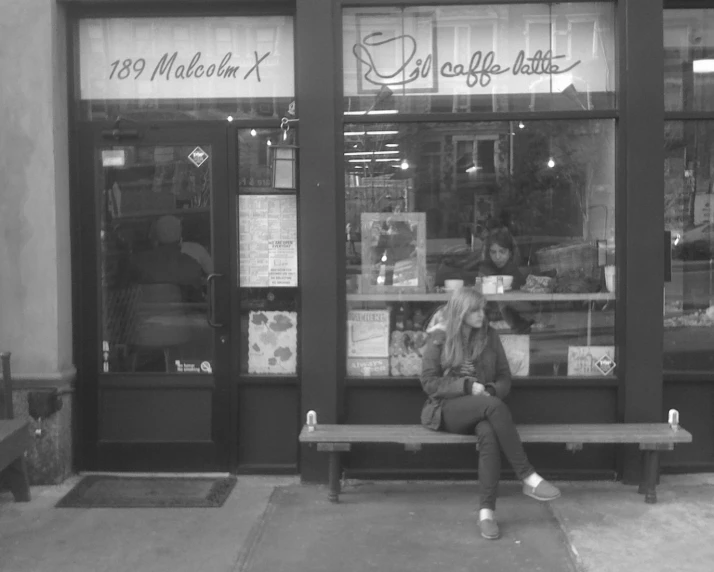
column 432, row 203
column 155, row 257
column 689, row 60
column 689, row 295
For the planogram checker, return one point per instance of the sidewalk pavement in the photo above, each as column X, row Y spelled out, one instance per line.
column 602, row 526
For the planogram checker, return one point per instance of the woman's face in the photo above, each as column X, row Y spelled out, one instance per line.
column 474, row 318
column 499, row 255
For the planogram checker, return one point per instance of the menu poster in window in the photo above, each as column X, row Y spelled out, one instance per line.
column 517, row 348
column 368, row 334
column 267, row 230
column 393, row 252
column 591, row 361
column 272, row 342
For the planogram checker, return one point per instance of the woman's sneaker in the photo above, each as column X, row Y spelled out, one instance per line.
column 543, row 492
column 489, row 529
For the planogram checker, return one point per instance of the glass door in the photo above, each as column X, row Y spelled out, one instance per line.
column 156, row 263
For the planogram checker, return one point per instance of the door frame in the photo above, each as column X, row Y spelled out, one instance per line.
column 219, row 453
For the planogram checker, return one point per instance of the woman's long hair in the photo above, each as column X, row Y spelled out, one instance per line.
column 462, row 302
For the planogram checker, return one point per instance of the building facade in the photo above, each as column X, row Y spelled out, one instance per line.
column 218, row 216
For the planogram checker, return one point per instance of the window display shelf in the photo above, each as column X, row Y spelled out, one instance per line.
column 507, row 297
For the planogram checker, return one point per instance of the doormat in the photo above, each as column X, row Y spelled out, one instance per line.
column 415, row 526
column 116, row 491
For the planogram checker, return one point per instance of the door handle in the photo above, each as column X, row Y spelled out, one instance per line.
column 209, row 294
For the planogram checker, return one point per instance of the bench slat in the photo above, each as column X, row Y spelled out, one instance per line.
column 559, row 433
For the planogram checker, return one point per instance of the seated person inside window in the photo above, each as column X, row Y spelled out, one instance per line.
column 500, row 259
column 167, row 278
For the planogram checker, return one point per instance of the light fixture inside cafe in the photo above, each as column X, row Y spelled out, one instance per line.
column 705, row 65
column 551, row 162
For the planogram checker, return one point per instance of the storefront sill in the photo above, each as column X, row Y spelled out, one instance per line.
column 62, row 381
column 267, row 469
column 685, row 468
column 390, row 382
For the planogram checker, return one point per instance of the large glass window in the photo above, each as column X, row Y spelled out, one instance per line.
column 689, row 292
column 689, row 60
column 525, row 57
column 688, row 187
column 429, row 204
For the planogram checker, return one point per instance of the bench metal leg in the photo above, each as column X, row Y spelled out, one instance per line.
column 16, row 477
column 334, row 477
column 651, row 466
column 641, row 488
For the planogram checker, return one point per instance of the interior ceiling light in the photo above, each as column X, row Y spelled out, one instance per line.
column 391, row 145
column 373, row 112
column 385, row 132
column 703, row 66
column 372, row 153
column 384, row 160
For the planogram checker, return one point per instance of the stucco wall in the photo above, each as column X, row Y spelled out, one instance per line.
column 35, row 258
column 35, row 297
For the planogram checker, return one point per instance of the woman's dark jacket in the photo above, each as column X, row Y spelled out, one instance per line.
column 491, row 370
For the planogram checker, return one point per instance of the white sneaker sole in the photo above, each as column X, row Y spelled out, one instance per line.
column 541, row 499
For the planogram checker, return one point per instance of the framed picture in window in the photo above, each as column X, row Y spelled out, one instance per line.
column 393, row 252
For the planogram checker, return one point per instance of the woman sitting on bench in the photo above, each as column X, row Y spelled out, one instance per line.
column 466, row 376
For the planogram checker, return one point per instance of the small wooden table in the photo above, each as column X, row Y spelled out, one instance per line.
column 651, row 437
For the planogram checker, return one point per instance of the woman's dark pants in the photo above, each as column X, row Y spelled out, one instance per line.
column 490, row 419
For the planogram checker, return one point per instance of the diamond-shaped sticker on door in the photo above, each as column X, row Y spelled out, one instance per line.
column 198, row 156
column 605, row 364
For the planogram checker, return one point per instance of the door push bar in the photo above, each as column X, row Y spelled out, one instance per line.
column 209, row 294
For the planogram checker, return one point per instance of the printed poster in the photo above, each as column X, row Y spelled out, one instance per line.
column 591, row 361
column 518, row 353
column 368, row 334
column 272, row 342
column 267, row 231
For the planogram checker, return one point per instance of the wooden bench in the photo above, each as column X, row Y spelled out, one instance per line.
column 15, row 439
column 651, row 437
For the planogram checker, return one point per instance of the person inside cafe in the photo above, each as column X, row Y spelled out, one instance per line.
column 168, row 279
column 500, row 259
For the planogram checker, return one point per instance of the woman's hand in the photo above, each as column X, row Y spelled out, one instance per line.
column 478, row 388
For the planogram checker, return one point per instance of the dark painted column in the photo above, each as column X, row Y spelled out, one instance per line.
column 316, row 65
column 641, row 215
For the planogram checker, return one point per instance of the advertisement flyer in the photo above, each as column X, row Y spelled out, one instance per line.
column 368, row 334
column 272, row 342
column 267, row 231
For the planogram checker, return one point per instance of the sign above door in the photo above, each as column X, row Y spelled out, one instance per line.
column 186, row 58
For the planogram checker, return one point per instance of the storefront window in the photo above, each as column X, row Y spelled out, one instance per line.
column 422, row 200
column 689, row 60
column 479, row 58
column 688, row 186
column 689, row 291
column 173, row 69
